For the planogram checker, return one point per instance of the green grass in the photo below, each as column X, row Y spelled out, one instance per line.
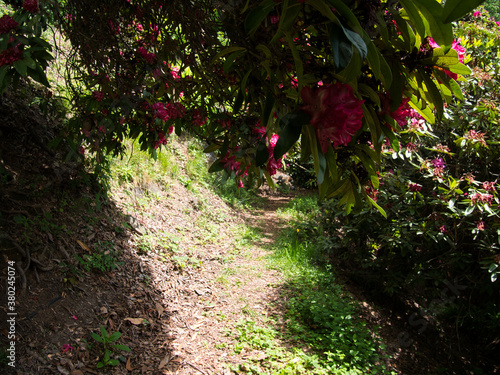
column 321, row 332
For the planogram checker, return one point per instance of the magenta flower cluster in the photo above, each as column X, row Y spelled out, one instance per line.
column 336, row 114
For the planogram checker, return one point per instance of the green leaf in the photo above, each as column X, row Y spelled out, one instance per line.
column 299, row 66
column 433, row 93
column 459, row 69
column 262, row 154
column 406, row 31
column 257, row 15
column 289, row 15
column 227, row 51
column 217, row 166
column 425, row 112
column 244, row 80
column 455, row 9
column 415, row 17
column 321, row 6
column 397, row 86
column 115, row 336
column 291, row 127
column 440, row 31
column 390, row 135
column 339, row 188
column 352, row 71
column 322, row 164
column 230, row 61
column 372, row 55
column 374, row 204
column 211, row 148
column 104, row 333
column 342, row 48
column 357, row 41
column 238, row 101
column 268, row 109
column 21, row 68
column 343, row 9
column 125, row 348
column 97, row 338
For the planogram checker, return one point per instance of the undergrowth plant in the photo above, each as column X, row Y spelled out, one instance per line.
column 109, row 347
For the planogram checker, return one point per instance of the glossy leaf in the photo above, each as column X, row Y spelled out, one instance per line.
column 291, row 127
column 342, row 47
column 440, row 31
column 257, row 15
column 416, row 17
column 262, row 154
column 455, row 9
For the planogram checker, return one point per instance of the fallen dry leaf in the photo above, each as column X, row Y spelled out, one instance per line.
column 83, row 246
column 128, row 366
column 164, row 361
column 160, row 309
column 135, row 321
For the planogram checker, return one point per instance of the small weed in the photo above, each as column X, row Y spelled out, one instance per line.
column 109, row 348
column 145, row 244
column 103, row 260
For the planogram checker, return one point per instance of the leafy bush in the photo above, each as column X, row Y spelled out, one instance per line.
column 439, row 194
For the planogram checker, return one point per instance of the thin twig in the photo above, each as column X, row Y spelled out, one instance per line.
column 196, row 368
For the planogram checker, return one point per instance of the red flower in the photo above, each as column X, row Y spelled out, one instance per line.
column 7, row 23
column 336, row 113
column 273, row 165
column 98, row 95
column 10, row 56
column 30, row 6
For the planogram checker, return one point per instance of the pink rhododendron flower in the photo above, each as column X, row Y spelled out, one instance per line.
column 442, row 229
column 175, row 73
column 149, row 57
column 411, row 147
column 477, row 14
column 98, row 95
column 66, row 348
column 481, row 198
column 10, row 55
column 476, row 136
column 438, row 163
column 231, row 163
column 480, row 225
column 7, row 23
column 335, row 113
column 273, row 165
column 198, row 119
column 489, row 186
column 30, row 6
column 401, row 114
column 414, row 187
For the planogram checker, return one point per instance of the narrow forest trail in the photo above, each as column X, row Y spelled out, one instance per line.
column 236, row 285
column 189, row 268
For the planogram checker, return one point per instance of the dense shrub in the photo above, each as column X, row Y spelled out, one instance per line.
column 439, row 193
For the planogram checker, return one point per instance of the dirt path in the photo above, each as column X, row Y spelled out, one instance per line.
column 190, row 268
column 227, row 289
